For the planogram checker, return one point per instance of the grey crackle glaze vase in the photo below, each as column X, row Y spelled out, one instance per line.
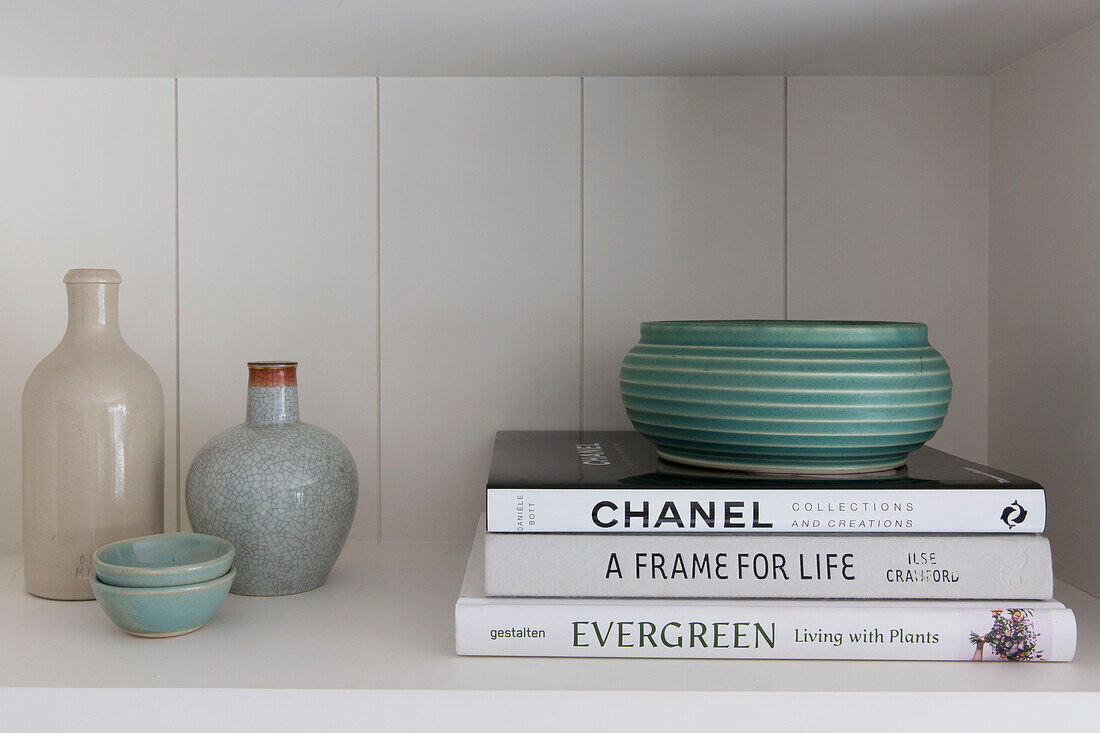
column 282, row 491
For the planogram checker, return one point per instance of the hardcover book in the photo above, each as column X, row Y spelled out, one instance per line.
column 613, row 481
column 1013, row 631
column 769, row 566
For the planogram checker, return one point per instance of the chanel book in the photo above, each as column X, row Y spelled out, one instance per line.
column 613, row 481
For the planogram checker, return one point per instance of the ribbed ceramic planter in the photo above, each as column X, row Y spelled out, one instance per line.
column 815, row 397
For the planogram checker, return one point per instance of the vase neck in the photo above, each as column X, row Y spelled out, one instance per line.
column 93, row 306
column 272, row 393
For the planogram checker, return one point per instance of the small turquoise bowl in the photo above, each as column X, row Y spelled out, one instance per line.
column 162, row 612
column 794, row 397
column 161, row 560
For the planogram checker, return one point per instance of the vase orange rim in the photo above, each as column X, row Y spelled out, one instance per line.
column 272, row 374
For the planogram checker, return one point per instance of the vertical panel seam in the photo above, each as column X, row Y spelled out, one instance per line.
column 176, row 243
column 786, row 195
column 988, row 267
column 580, row 405
column 378, row 300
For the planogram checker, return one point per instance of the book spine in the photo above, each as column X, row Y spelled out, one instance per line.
column 726, row 630
column 769, row 566
column 766, row 510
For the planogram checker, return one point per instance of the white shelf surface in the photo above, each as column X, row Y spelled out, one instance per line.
column 385, row 621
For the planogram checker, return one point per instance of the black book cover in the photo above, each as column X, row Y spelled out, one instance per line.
column 604, row 459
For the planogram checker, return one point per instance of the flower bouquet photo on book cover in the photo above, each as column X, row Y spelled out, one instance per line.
column 1013, row 637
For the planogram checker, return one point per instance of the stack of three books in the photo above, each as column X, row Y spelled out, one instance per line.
column 593, row 546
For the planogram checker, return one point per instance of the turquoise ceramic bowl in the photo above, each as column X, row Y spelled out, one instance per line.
column 169, row 611
column 813, row 397
column 162, row 560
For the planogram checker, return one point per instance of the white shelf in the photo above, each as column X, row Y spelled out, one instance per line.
column 535, row 37
column 384, row 621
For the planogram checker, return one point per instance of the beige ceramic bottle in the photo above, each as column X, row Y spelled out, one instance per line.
column 93, row 444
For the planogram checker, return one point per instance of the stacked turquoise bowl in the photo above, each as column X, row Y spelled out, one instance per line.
column 804, row 397
column 163, row 584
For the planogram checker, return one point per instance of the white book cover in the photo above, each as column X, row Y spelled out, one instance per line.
column 872, row 566
column 772, row 629
column 765, row 511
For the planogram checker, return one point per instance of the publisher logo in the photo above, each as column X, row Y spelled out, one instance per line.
column 1013, row 515
column 592, row 454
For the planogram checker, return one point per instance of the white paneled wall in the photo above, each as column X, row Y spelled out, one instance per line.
column 1045, row 289
column 86, row 180
column 683, row 213
column 888, row 219
column 450, row 256
column 278, row 256
column 481, row 308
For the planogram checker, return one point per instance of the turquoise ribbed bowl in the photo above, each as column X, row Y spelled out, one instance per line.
column 812, row 397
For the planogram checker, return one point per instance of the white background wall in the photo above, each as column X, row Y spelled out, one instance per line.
column 87, row 179
column 446, row 257
column 1045, row 289
column 278, row 256
column 888, row 218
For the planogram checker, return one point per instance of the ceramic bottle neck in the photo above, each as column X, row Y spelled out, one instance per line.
column 272, row 393
column 93, row 308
